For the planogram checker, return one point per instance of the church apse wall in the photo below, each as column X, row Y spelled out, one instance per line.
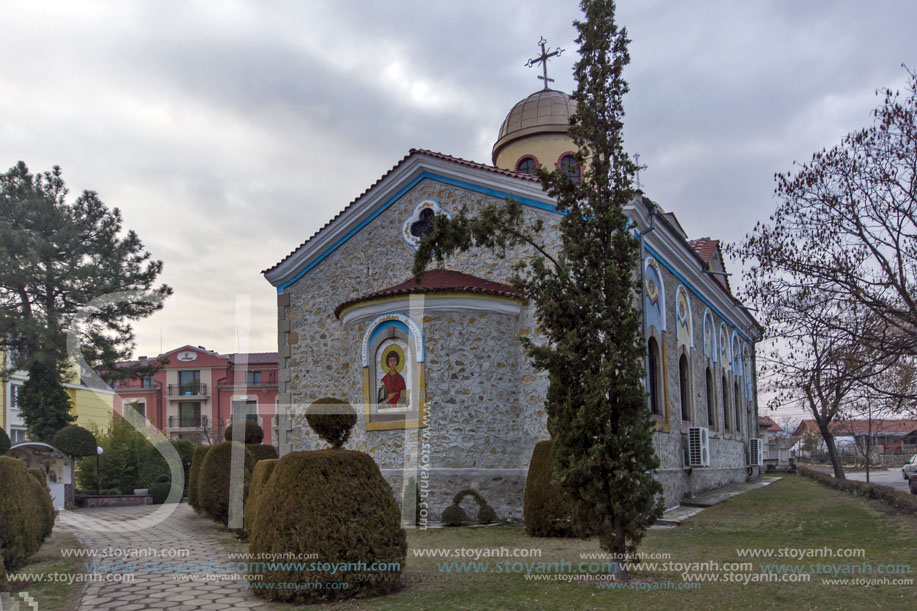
column 458, row 355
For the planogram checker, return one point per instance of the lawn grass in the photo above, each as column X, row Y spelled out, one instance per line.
column 47, row 564
column 792, row 513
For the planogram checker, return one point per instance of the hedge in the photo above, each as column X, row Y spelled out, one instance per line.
column 39, row 489
column 214, row 482
column 454, row 515
column 262, row 451
column 260, row 476
column 160, row 492
column 4, row 583
column 74, row 440
column 253, row 433
column 336, row 504
column 23, row 521
column 197, row 459
column 5, row 443
column 332, row 420
column 898, row 499
column 546, row 508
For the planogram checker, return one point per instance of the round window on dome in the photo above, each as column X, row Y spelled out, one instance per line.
column 569, row 167
column 527, row 165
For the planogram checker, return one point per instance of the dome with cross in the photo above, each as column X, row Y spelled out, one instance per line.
column 534, row 133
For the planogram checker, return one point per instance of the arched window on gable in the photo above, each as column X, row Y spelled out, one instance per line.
column 683, row 385
column 725, row 405
column 711, row 414
column 654, row 376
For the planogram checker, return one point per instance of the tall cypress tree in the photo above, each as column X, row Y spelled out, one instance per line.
column 584, row 301
column 44, row 404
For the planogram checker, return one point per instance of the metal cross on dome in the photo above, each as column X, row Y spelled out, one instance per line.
column 543, row 60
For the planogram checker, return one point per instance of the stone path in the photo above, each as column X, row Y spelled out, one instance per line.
column 169, row 565
column 691, row 507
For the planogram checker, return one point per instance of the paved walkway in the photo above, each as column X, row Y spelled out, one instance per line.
column 691, row 507
column 155, row 549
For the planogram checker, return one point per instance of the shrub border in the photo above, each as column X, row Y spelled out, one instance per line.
column 902, row 501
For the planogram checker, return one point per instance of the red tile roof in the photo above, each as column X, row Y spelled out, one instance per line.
column 704, row 247
column 411, row 153
column 441, row 281
column 861, row 427
column 765, row 423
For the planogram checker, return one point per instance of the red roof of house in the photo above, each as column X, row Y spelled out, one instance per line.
column 411, row 153
column 861, row 427
column 765, row 423
column 441, row 281
column 704, row 247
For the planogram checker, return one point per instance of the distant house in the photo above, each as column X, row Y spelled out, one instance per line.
column 888, row 436
column 91, row 406
column 776, row 442
column 195, row 392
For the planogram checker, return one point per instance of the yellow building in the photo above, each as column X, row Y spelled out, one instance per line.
column 91, row 406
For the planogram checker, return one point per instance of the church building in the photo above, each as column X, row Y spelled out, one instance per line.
column 444, row 391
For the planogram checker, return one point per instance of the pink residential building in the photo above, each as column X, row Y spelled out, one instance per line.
column 195, row 392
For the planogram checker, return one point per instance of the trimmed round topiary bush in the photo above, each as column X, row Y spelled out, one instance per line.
column 22, row 517
column 197, row 460
column 547, row 509
column 262, row 451
column 337, row 505
column 74, row 440
column 214, row 482
column 5, row 443
column 39, row 489
column 454, row 516
column 260, row 476
column 332, row 420
column 253, row 433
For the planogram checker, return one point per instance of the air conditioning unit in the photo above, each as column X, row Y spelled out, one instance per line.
column 698, row 446
column 755, row 452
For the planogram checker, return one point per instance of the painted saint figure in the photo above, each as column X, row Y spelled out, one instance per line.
column 392, row 384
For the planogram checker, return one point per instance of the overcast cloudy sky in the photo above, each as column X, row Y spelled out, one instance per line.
column 228, row 131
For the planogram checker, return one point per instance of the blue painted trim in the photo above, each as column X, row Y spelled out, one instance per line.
column 525, row 201
column 389, row 323
column 694, row 291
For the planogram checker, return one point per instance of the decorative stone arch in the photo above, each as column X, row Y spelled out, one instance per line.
column 710, row 344
column 393, row 332
column 684, row 322
column 725, row 357
column 581, row 169
column 736, row 351
column 654, row 295
column 523, row 158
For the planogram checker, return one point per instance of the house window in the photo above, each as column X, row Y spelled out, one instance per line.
column 146, row 382
column 247, row 408
column 653, row 366
column 683, row 387
column 252, row 377
column 138, row 406
column 189, row 414
column 737, row 406
column 711, row 416
column 527, row 165
column 18, row 436
column 189, row 382
column 725, row 405
column 14, row 395
column 569, row 167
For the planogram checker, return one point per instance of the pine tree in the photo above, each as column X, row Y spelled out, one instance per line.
column 44, row 404
column 584, row 301
column 67, row 268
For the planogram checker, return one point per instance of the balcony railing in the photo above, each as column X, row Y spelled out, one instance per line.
column 187, row 422
column 191, row 389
